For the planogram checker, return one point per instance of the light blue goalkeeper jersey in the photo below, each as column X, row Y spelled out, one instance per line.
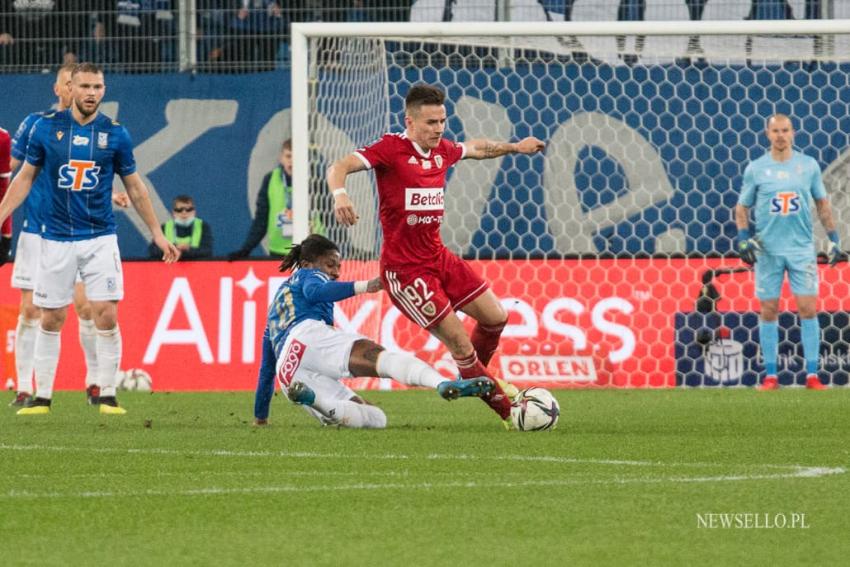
column 782, row 194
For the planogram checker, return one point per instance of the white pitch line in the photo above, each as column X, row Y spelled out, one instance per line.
column 798, row 469
column 806, row 472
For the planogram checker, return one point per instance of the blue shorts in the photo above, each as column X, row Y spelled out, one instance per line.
column 802, row 271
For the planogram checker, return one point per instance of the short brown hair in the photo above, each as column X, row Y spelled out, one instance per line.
column 287, row 145
column 421, row 95
column 87, row 68
column 182, row 199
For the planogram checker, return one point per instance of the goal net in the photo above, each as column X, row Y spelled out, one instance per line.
column 613, row 251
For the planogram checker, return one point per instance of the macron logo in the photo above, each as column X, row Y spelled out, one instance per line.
column 423, row 199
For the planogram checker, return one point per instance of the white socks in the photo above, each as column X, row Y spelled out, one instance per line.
column 351, row 414
column 88, row 340
column 108, row 359
column 25, row 334
column 407, row 369
column 45, row 360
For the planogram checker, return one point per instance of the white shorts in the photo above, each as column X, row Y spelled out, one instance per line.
column 96, row 260
column 26, row 261
column 317, row 355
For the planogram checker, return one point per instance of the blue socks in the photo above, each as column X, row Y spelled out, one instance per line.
column 811, row 343
column 769, row 341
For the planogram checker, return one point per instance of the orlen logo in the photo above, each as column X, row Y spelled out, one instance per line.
column 785, row 203
column 78, row 175
column 423, row 199
column 291, row 361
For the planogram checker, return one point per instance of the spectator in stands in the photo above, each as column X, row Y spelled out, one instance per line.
column 213, row 16
column 631, row 11
column 695, row 10
column 27, row 29
column 770, row 10
column 256, row 30
column 131, row 27
column 273, row 215
column 192, row 236
column 76, row 29
column 165, row 29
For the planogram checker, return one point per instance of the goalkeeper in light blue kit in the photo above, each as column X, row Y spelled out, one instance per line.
column 781, row 186
column 309, row 356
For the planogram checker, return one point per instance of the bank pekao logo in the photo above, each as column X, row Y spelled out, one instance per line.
column 724, row 361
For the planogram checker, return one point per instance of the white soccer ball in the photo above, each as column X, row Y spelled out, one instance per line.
column 135, row 379
column 535, row 409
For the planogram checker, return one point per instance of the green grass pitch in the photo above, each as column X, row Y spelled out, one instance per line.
column 628, row 477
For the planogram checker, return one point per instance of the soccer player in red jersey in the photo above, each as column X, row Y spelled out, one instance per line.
column 424, row 279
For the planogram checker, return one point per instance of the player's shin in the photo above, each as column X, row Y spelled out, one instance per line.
column 88, row 340
column 471, row 367
column 407, row 369
column 25, row 334
column 769, row 342
column 46, row 359
column 108, row 359
column 485, row 340
column 810, row 331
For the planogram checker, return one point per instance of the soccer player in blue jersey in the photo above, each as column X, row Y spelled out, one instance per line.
column 310, row 356
column 80, row 151
column 26, row 261
column 781, row 185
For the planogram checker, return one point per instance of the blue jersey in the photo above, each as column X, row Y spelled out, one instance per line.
column 308, row 294
column 34, row 205
column 782, row 194
column 79, row 163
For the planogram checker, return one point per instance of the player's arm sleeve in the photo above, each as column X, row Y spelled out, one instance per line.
column 265, row 379
column 35, row 145
column 261, row 218
column 818, row 189
column 377, row 154
column 747, row 198
column 21, row 139
column 320, row 290
column 125, row 162
column 455, row 152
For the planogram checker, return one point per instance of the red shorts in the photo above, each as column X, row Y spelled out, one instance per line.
column 426, row 293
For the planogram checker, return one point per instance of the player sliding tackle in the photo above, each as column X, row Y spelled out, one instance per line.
column 424, row 279
column 312, row 356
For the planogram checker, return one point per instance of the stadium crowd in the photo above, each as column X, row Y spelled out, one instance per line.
column 247, row 35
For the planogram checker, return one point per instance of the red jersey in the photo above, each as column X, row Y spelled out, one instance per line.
column 5, row 174
column 411, row 183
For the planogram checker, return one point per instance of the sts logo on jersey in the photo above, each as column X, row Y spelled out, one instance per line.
column 78, row 175
column 785, row 203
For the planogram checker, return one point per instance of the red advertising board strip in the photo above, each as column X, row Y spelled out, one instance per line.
column 572, row 323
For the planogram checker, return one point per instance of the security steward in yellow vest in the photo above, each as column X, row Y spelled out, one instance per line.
column 190, row 234
column 273, row 216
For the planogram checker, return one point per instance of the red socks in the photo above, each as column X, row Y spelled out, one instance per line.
column 485, row 340
column 471, row 367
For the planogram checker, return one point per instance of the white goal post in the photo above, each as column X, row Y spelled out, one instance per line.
column 613, row 251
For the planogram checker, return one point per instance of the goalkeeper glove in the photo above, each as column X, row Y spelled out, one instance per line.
column 748, row 246
column 834, row 252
